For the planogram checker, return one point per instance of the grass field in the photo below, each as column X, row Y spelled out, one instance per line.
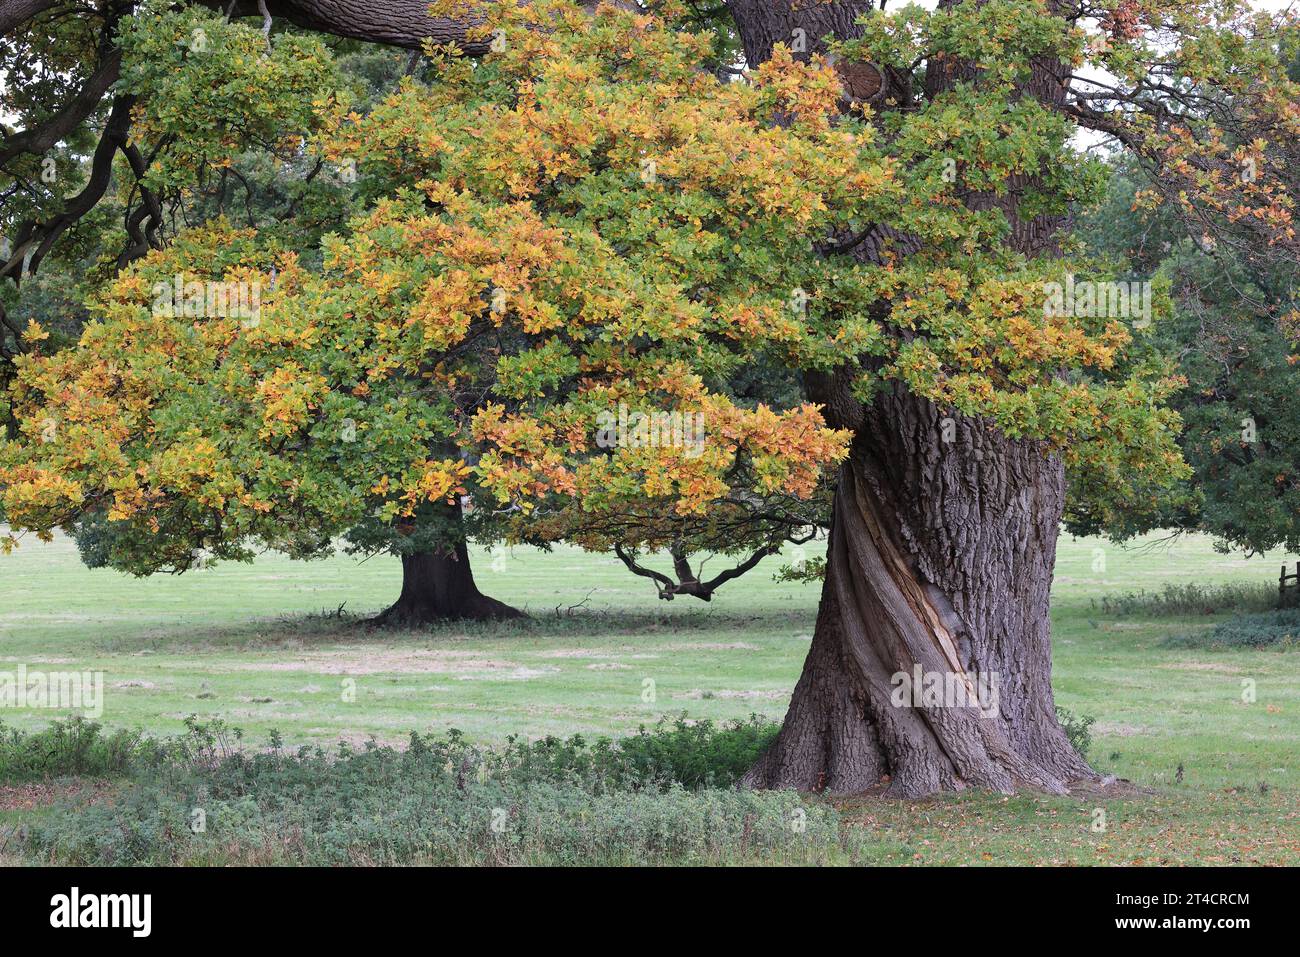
column 260, row 645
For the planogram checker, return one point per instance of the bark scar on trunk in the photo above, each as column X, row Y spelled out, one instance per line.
column 922, row 596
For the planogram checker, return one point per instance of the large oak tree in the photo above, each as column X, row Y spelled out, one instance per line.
column 911, row 201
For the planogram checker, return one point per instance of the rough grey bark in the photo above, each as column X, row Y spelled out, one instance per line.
column 765, row 23
column 14, row 13
column 400, row 23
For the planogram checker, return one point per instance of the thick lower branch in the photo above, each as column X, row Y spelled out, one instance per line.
column 41, row 139
column 399, row 23
column 15, row 13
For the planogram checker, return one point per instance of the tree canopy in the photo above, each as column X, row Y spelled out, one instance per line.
column 581, row 220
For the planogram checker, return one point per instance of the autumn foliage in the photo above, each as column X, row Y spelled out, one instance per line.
column 580, row 221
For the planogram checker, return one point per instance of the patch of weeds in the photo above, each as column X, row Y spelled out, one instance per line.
column 1279, row 629
column 649, row 799
column 76, row 746
column 1078, row 729
column 1191, row 598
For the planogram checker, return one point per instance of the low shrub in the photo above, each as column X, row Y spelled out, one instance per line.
column 1191, row 598
column 443, row 801
column 76, row 746
column 1078, row 729
column 692, row 754
column 1273, row 629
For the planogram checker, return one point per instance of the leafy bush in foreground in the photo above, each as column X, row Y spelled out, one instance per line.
column 442, row 801
column 73, row 747
column 692, row 754
column 1274, row 629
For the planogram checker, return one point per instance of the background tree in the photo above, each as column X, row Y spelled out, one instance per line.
column 429, row 331
column 1231, row 337
column 201, row 141
column 222, row 114
column 694, row 555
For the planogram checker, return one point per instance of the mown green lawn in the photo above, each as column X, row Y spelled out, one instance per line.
column 257, row 645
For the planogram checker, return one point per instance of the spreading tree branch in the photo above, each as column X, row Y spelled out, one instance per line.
column 399, row 23
column 688, row 582
column 14, row 13
column 42, row 138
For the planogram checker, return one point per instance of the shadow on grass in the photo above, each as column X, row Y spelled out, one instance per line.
column 342, row 627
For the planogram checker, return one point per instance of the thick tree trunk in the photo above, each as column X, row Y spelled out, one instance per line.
column 437, row 581
column 439, row 586
column 800, row 26
column 941, row 559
